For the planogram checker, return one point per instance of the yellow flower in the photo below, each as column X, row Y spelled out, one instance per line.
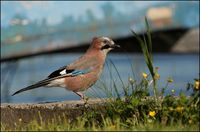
column 152, row 113
column 179, row 109
column 20, row 119
column 190, row 121
column 170, row 80
column 144, row 75
column 157, row 76
column 172, row 90
column 131, row 80
column 196, row 85
column 171, row 108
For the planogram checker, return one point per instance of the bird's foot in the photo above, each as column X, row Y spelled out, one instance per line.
column 83, row 98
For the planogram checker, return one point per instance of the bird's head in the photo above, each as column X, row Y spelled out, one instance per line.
column 103, row 44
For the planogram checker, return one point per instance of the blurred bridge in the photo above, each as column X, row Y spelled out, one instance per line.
column 168, row 22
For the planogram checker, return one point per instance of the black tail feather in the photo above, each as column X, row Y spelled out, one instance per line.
column 34, row 86
column 40, row 83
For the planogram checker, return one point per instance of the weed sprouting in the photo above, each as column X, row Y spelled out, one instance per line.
column 136, row 106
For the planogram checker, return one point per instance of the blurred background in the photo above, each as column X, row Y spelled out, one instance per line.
column 39, row 37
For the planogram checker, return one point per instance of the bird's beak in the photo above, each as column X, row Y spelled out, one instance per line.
column 114, row 46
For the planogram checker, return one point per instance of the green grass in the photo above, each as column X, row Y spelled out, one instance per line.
column 136, row 110
column 109, row 125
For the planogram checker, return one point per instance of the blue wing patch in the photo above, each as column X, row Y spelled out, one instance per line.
column 79, row 72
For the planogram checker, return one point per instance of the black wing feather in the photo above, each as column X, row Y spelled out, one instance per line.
column 57, row 72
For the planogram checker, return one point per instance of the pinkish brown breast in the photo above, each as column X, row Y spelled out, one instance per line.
column 82, row 82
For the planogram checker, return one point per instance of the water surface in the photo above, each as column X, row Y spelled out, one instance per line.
column 183, row 68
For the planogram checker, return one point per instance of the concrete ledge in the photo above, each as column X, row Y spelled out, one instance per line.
column 11, row 114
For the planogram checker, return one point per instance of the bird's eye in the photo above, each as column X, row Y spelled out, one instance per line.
column 105, row 41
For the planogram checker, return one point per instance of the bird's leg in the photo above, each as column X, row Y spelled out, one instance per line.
column 81, row 95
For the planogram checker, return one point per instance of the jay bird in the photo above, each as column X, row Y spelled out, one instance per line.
column 82, row 73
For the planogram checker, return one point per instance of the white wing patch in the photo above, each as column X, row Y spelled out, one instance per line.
column 63, row 72
column 57, row 83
